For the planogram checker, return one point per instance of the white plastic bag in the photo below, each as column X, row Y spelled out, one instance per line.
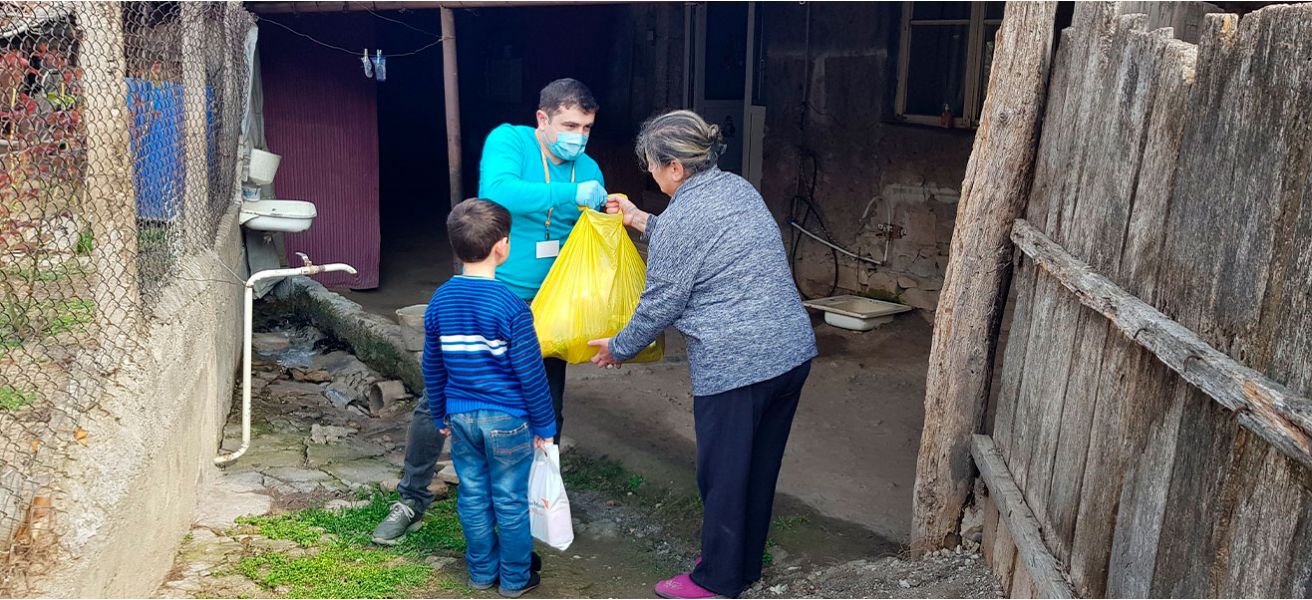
column 548, row 506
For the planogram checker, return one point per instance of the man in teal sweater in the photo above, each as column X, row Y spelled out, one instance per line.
column 542, row 176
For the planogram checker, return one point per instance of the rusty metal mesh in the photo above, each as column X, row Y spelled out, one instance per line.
column 119, row 145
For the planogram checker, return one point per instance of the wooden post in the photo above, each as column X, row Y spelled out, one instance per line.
column 109, row 201
column 451, row 91
column 969, row 313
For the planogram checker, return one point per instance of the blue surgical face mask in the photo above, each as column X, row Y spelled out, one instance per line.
column 569, row 145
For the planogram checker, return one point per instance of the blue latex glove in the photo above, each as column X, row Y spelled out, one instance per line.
column 591, row 194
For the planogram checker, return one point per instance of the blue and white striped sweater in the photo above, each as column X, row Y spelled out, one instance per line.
column 481, row 353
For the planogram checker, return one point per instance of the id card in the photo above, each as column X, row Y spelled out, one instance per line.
column 548, row 249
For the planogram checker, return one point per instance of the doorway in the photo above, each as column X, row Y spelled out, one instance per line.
column 726, row 78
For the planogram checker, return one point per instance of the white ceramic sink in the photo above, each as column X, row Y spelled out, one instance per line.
column 288, row 216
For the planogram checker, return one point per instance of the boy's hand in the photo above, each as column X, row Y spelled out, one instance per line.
column 445, row 431
column 604, row 359
column 540, row 442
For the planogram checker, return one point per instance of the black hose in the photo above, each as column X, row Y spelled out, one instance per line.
column 807, row 197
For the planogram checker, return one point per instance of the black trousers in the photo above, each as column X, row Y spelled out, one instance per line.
column 741, row 436
column 423, row 444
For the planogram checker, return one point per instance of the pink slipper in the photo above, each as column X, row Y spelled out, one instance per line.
column 681, row 586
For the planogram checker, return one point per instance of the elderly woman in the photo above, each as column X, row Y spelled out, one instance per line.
column 717, row 272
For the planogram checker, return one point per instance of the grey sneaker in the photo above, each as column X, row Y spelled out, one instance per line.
column 401, row 520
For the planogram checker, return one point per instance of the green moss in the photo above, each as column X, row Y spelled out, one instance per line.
column 879, row 294
column 12, row 398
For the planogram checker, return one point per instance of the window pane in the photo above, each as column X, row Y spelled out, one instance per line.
column 993, row 10
column 940, row 10
column 936, row 70
column 990, row 35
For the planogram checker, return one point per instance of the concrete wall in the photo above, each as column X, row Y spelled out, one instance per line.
column 128, row 495
column 872, row 169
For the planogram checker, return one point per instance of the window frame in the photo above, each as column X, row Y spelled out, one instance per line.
column 972, row 103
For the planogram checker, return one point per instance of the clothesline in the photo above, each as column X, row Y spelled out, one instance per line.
column 437, row 41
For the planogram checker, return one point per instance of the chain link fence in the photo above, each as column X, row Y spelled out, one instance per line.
column 119, row 145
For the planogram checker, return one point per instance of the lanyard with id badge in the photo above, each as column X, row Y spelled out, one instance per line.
column 549, row 248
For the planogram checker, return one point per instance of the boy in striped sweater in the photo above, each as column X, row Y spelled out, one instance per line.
column 488, row 392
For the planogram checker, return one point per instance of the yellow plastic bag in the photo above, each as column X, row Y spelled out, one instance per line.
column 591, row 291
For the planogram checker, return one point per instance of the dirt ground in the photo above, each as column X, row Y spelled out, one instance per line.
column 852, row 452
column 636, row 515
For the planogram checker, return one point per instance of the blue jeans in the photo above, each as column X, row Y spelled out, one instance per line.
column 492, row 452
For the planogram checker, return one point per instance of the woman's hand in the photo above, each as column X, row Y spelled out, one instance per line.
column 619, row 203
column 604, row 359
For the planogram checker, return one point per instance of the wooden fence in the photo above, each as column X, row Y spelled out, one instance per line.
column 1171, row 203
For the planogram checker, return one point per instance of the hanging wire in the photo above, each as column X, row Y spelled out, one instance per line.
column 436, row 42
column 404, row 24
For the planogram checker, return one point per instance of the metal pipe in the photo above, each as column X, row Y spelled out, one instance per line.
column 249, row 308
column 831, row 245
column 451, row 91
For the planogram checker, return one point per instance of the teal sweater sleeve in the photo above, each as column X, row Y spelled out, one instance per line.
column 501, row 176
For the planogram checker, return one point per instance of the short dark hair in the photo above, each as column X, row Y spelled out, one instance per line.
column 475, row 226
column 566, row 93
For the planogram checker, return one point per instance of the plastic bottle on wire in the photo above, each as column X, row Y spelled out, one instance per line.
column 368, row 66
column 380, row 66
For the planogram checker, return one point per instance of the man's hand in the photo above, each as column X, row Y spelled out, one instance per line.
column 591, row 194
column 620, row 203
column 604, row 359
column 540, row 442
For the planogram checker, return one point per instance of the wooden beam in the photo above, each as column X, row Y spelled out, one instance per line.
column 269, row 8
column 1262, row 405
column 1033, row 553
column 969, row 313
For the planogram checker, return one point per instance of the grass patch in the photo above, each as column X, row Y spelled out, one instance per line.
column 12, row 398
column 441, row 530
column 85, row 243
column 53, row 274
column 345, row 564
column 787, row 522
column 337, row 571
column 26, row 320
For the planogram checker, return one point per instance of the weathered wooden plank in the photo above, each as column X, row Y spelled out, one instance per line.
column 1023, row 585
column 1262, row 405
column 1014, row 358
column 1038, row 562
column 1129, row 90
column 1150, row 425
column 1043, row 392
column 1299, row 583
column 1186, row 284
column 990, row 533
column 1004, row 557
column 1271, row 491
column 1133, row 389
column 969, row 314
